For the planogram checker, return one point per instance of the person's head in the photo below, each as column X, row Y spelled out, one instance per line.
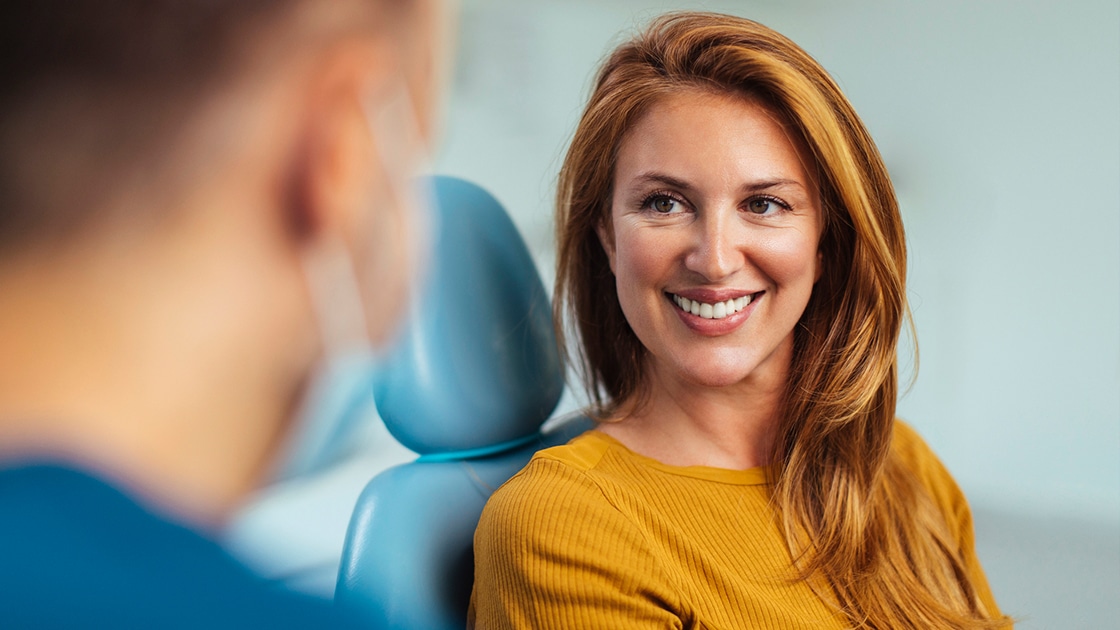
column 844, row 322
column 197, row 198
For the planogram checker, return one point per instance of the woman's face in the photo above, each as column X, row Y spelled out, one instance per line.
column 713, row 238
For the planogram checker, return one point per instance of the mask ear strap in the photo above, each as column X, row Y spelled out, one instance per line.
column 401, row 149
column 395, row 125
column 335, row 285
column 340, row 392
column 336, row 298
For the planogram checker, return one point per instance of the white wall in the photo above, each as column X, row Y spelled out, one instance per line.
column 1000, row 123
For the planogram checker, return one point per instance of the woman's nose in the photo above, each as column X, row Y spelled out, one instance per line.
column 716, row 248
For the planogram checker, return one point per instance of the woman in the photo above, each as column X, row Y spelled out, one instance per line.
column 732, row 257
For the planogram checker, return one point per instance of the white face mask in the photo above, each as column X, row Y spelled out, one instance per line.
column 340, row 393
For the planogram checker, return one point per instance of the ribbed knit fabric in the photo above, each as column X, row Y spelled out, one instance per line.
column 592, row 535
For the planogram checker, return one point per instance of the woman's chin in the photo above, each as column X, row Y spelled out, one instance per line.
column 711, row 374
column 716, row 381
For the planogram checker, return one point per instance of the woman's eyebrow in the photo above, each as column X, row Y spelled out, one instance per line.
column 768, row 184
column 654, row 177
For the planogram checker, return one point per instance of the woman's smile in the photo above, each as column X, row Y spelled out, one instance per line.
column 713, row 313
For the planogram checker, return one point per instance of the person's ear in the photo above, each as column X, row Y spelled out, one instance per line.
column 606, row 239
column 336, row 165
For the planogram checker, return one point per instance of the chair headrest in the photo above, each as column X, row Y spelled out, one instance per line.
column 477, row 365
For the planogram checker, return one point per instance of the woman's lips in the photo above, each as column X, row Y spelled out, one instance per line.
column 726, row 311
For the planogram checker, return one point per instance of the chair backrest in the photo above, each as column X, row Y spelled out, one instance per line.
column 476, row 374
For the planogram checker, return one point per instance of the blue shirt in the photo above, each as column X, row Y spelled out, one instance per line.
column 77, row 553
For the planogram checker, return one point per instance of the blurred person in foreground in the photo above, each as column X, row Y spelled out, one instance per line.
column 201, row 203
column 732, row 258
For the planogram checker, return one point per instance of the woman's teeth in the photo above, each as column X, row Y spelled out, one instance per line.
column 719, row 310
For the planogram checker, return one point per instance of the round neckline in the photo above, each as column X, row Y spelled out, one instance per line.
column 750, row 477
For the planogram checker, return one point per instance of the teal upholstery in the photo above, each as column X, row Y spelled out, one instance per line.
column 475, row 375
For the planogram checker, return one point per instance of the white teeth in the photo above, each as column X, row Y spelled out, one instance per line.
column 719, row 310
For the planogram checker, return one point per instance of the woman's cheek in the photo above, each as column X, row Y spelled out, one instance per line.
column 789, row 260
column 643, row 262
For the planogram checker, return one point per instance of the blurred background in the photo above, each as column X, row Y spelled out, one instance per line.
column 1000, row 123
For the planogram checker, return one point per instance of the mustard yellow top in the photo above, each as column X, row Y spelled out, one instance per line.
column 593, row 535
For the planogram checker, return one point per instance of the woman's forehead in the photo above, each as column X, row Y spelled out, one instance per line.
column 712, row 139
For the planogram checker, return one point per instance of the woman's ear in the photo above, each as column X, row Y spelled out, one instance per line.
column 606, row 239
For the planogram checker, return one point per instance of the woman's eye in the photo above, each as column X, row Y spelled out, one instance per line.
column 664, row 205
column 762, row 205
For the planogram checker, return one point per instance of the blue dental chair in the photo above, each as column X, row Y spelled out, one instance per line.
column 475, row 375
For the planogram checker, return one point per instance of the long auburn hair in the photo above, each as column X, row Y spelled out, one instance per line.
column 864, row 532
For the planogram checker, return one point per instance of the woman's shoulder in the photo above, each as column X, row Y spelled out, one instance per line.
column 554, row 544
column 907, row 442
column 909, row 446
column 917, row 456
column 560, row 474
column 559, row 502
column 583, row 453
column 563, row 489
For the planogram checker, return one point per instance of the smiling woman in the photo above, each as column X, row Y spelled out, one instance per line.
column 732, row 258
column 712, row 204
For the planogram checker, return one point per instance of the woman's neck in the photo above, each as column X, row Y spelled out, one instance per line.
column 686, row 424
